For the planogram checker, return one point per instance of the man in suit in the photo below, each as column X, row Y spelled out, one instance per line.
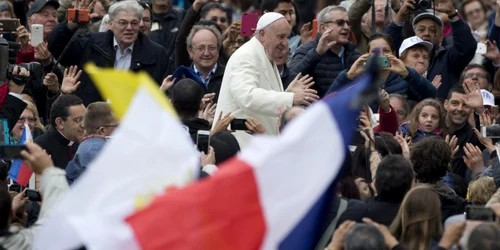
column 66, row 131
column 123, row 47
column 252, row 87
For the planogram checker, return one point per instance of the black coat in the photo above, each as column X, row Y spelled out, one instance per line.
column 464, row 135
column 216, row 81
column 97, row 47
column 57, row 146
column 168, row 27
column 323, row 68
column 380, row 211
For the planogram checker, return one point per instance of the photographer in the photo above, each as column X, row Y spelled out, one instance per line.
column 53, row 187
column 11, row 104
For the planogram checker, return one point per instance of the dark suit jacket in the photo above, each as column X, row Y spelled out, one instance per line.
column 57, row 146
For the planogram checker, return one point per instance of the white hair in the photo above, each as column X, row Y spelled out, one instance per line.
column 125, row 6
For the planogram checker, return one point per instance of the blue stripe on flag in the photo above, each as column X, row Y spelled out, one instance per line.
column 309, row 230
column 16, row 164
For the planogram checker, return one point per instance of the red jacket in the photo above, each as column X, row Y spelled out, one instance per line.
column 388, row 122
column 26, row 57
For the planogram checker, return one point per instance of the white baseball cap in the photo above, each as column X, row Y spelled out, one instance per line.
column 488, row 98
column 267, row 19
column 412, row 41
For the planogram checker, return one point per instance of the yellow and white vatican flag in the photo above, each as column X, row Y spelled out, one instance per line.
column 149, row 152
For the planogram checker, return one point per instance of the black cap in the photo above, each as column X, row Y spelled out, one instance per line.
column 39, row 4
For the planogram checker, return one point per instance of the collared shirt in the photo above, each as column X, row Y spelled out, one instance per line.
column 206, row 80
column 70, row 143
column 341, row 54
column 122, row 61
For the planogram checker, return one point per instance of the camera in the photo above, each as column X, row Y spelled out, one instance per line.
column 424, row 4
column 7, row 69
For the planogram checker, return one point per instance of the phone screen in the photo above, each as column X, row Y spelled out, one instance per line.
column 203, row 140
column 33, row 195
column 479, row 213
column 9, row 152
column 16, row 188
column 239, row 124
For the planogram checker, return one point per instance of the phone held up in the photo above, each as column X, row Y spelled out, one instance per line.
column 203, row 140
column 33, row 195
column 9, row 24
column 36, row 34
column 248, row 24
column 482, row 213
column 239, row 124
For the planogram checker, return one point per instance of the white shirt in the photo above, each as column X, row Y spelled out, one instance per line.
column 122, row 61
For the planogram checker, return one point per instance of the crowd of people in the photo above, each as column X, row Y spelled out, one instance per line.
column 418, row 160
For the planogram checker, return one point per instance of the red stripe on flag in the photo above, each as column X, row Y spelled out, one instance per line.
column 222, row 212
column 24, row 175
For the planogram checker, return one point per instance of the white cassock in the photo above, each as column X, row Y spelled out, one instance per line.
column 252, row 87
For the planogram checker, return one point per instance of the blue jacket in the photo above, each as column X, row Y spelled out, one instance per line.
column 449, row 61
column 87, row 151
column 415, row 86
column 405, row 129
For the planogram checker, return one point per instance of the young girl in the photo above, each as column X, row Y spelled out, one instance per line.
column 426, row 119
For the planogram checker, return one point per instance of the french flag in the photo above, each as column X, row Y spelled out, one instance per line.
column 271, row 196
column 19, row 171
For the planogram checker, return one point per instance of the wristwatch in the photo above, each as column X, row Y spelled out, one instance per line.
column 453, row 15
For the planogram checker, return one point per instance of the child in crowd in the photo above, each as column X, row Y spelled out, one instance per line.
column 426, row 119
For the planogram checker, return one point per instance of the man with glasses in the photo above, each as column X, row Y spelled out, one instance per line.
column 123, row 47
column 215, row 12
column 203, row 45
column 330, row 53
column 99, row 123
column 477, row 74
column 66, row 131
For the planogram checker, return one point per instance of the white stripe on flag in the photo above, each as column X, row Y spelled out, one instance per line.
column 284, row 175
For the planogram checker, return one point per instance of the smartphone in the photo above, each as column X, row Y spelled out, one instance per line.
column 481, row 48
column 16, row 188
column 36, row 34
column 482, row 213
column 314, row 28
column 203, row 140
column 33, row 195
column 10, row 152
column 248, row 24
column 239, row 124
column 9, row 25
column 382, row 61
column 492, row 131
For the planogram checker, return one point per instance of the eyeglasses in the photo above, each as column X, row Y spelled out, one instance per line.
column 479, row 75
column 472, row 12
column 122, row 23
column 340, row 22
column 146, row 19
column 202, row 49
column 221, row 19
column 400, row 112
column 24, row 119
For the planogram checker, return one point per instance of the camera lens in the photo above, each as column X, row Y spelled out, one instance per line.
column 424, row 4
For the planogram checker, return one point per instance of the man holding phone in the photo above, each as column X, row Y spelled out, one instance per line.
column 252, row 87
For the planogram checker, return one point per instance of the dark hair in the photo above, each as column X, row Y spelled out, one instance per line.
column 210, row 23
column 404, row 100
column 347, row 187
column 60, row 107
column 225, row 146
column 474, row 66
column 186, row 98
column 455, row 89
column 146, row 6
column 430, row 158
column 4, row 170
column 364, row 237
column 386, row 37
column 271, row 5
column 5, row 208
column 210, row 6
column 484, row 237
column 385, row 144
column 97, row 114
column 394, row 178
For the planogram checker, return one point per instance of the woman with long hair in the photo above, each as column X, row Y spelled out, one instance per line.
column 418, row 222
